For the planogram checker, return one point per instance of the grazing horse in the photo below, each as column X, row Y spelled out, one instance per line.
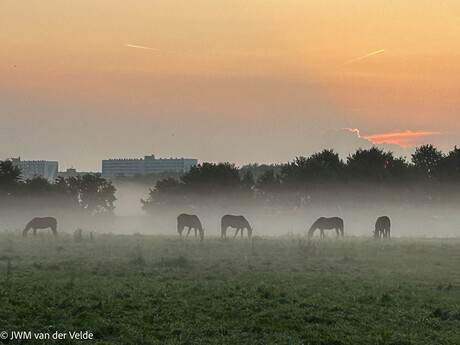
column 323, row 223
column 238, row 222
column 41, row 223
column 192, row 222
column 382, row 227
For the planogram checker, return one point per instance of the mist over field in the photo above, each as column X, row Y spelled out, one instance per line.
column 359, row 213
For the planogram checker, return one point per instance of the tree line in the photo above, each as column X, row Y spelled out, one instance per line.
column 89, row 193
column 429, row 176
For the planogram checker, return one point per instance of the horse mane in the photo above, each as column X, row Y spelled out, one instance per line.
column 315, row 224
column 29, row 224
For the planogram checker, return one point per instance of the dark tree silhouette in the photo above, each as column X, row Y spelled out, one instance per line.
column 248, row 180
column 449, row 166
column 203, row 180
column 426, row 158
column 163, row 191
column 38, row 186
column 375, row 165
column 320, row 178
column 259, row 169
column 10, row 177
column 211, row 178
column 312, row 172
column 268, row 182
column 94, row 193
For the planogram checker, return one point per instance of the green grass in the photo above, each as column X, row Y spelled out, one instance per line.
column 167, row 290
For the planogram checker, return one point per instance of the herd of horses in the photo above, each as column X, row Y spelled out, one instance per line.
column 192, row 222
column 240, row 223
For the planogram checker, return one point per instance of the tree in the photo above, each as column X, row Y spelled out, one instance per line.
column 204, row 180
column 375, row 165
column 209, row 178
column 248, row 180
column 426, row 159
column 321, row 168
column 449, row 165
column 258, row 170
column 38, row 186
column 164, row 190
column 10, row 177
column 94, row 193
column 268, row 182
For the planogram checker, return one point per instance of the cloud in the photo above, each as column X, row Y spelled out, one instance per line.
column 347, row 140
column 404, row 139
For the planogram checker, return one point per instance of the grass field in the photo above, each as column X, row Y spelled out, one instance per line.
column 167, row 290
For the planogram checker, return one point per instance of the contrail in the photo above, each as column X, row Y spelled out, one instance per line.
column 363, row 57
column 140, row 47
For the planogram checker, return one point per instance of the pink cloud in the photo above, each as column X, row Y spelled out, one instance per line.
column 404, row 139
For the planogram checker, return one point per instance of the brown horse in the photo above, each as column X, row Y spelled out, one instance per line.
column 324, row 223
column 192, row 222
column 238, row 222
column 41, row 223
column 382, row 227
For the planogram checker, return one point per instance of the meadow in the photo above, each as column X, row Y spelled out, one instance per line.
column 139, row 289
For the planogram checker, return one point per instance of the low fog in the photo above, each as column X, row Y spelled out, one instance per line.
column 359, row 210
column 359, row 215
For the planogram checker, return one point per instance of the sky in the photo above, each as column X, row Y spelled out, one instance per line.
column 240, row 81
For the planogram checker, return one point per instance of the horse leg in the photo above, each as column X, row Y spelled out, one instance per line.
column 35, row 232
column 188, row 232
column 236, row 232
column 223, row 232
column 242, row 231
column 195, row 232
column 337, row 232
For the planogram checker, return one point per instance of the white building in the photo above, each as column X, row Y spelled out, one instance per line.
column 72, row 172
column 31, row 169
column 144, row 166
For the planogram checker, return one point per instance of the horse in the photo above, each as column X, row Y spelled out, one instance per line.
column 324, row 223
column 238, row 222
column 41, row 223
column 192, row 222
column 382, row 227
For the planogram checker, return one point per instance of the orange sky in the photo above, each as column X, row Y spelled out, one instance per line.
column 285, row 70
